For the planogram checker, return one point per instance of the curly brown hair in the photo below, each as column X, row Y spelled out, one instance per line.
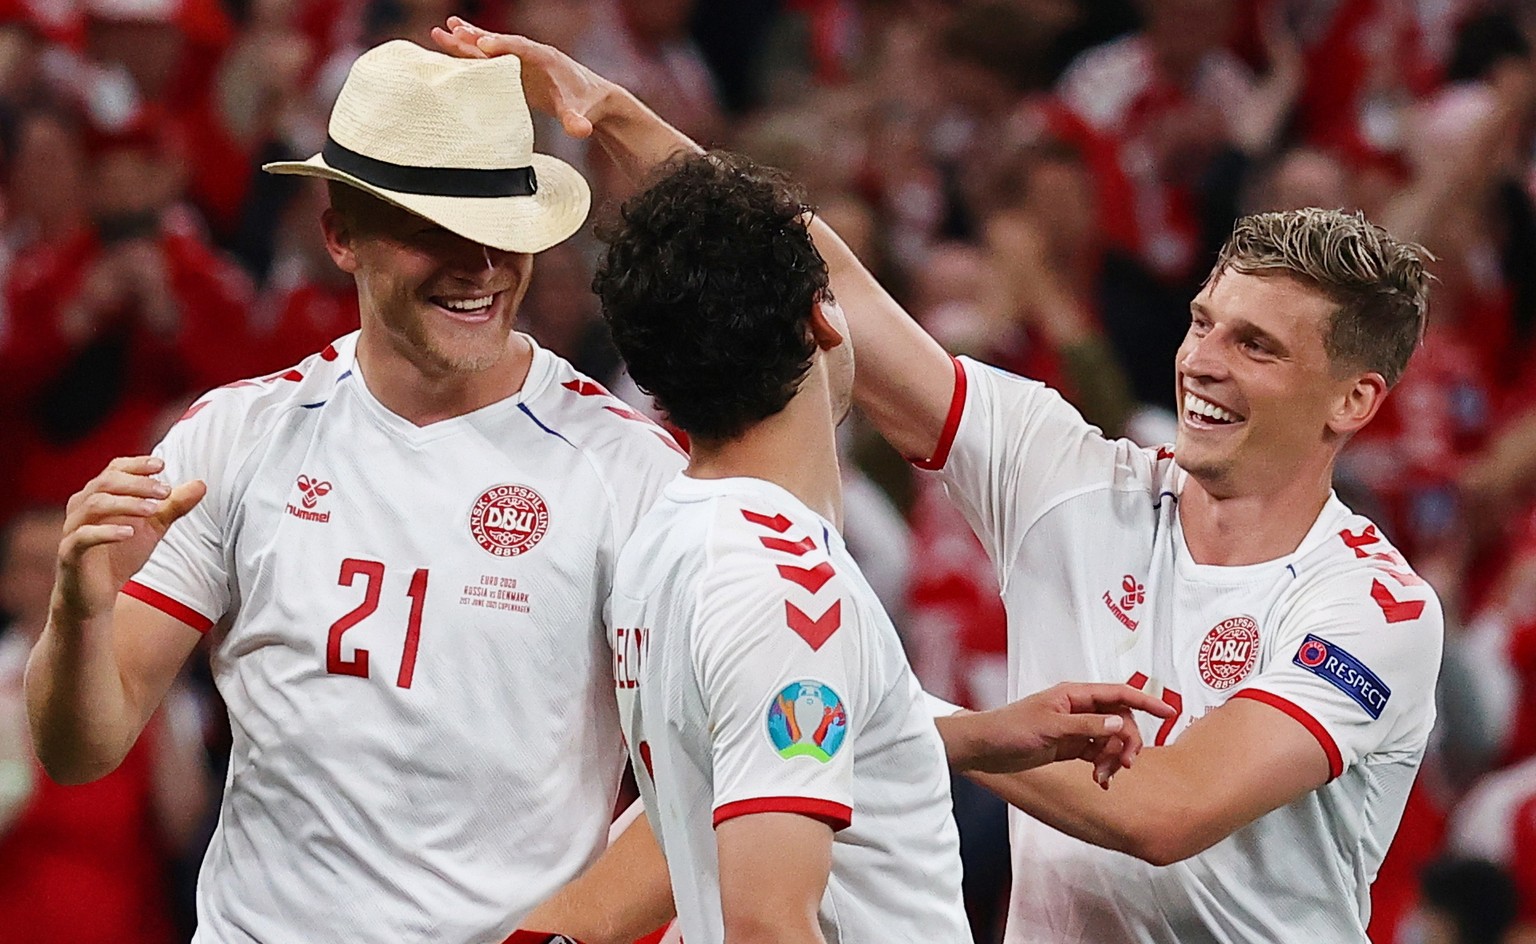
column 708, row 285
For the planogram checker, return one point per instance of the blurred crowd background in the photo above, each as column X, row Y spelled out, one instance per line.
column 1043, row 183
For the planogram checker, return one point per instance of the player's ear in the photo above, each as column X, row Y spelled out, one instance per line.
column 1358, row 403
column 338, row 239
column 828, row 326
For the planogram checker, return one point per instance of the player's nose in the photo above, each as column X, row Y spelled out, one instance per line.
column 1203, row 356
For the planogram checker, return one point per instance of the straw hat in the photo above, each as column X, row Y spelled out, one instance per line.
column 450, row 140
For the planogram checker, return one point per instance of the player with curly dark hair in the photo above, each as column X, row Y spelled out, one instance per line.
column 709, row 285
column 718, row 300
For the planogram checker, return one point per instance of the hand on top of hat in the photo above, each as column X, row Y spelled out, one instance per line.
column 553, row 82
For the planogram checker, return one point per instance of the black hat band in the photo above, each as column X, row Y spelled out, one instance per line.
column 431, row 181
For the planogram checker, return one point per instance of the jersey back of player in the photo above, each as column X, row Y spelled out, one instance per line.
column 757, row 673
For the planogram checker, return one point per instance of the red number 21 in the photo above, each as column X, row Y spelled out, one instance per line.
column 373, row 573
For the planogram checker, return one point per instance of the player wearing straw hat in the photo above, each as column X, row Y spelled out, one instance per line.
column 400, row 552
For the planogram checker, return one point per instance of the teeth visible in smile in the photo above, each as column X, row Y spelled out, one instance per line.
column 468, row 304
column 1206, row 408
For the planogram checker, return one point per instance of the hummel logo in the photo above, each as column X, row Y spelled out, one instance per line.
column 310, row 493
column 312, row 490
column 1135, row 593
column 1133, row 596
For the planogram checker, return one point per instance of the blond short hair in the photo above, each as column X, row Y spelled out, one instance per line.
column 1380, row 284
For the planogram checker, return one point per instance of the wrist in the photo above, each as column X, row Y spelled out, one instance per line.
column 961, row 740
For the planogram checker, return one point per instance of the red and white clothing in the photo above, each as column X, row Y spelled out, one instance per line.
column 757, row 672
column 1497, row 821
column 1098, row 583
column 1120, row 94
column 83, row 864
column 408, row 631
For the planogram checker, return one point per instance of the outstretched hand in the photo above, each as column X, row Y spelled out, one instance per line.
column 110, row 528
column 554, row 83
column 1073, row 720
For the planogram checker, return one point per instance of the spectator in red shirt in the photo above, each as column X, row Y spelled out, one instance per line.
column 115, row 323
column 85, row 865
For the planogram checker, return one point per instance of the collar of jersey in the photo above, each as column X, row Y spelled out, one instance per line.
column 539, row 373
column 686, row 488
column 1321, row 530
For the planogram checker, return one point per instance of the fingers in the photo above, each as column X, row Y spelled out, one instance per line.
column 575, row 124
column 456, row 45
column 1130, row 739
column 1083, row 725
column 137, row 465
column 183, row 498
column 1095, row 696
column 1111, row 755
column 123, row 483
column 85, row 537
column 126, row 490
column 1106, row 759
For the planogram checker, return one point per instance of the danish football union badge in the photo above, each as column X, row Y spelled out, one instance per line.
column 509, row 520
column 1229, row 652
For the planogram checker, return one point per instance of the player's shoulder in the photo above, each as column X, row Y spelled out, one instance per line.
column 1016, row 406
column 591, row 418
column 248, row 408
column 761, row 537
column 1348, row 562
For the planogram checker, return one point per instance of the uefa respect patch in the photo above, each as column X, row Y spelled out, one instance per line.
column 1349, row 675
column 807, row 719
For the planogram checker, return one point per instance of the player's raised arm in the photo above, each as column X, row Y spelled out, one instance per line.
column 105, row 660
column 905, row 381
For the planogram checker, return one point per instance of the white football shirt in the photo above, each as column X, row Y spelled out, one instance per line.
column 407, row 627
column 1341, row 635
column 757, row 672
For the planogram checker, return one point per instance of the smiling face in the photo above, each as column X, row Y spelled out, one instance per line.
column 447, row 304
column 1261, row 403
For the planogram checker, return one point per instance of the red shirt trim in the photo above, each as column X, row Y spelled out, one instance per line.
column 168, row 606
column 951, row 424
column 1335, row 759
column 537, row 937
column 835, row 815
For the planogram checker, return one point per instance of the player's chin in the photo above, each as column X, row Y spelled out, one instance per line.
column 1199, row 460
column 470, row 348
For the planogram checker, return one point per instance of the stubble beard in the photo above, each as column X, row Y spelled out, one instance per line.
column 479, row 347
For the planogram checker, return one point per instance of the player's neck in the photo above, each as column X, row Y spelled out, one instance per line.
column 1231, row 530
column 795, row 449
column 424, row 393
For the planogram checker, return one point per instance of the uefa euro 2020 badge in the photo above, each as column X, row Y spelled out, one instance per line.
column 807, row 719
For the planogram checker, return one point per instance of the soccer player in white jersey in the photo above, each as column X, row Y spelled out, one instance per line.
column 400, row 551
column 788, row 759
column 1297, row 645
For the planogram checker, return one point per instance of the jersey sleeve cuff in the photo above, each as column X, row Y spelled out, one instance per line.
column 951, row 424
column 1305, row 719
column 833, row 814
column 168, row 606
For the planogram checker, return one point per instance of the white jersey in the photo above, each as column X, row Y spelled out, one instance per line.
column 1341, row 635
column 407, row 628
column 757, row 672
